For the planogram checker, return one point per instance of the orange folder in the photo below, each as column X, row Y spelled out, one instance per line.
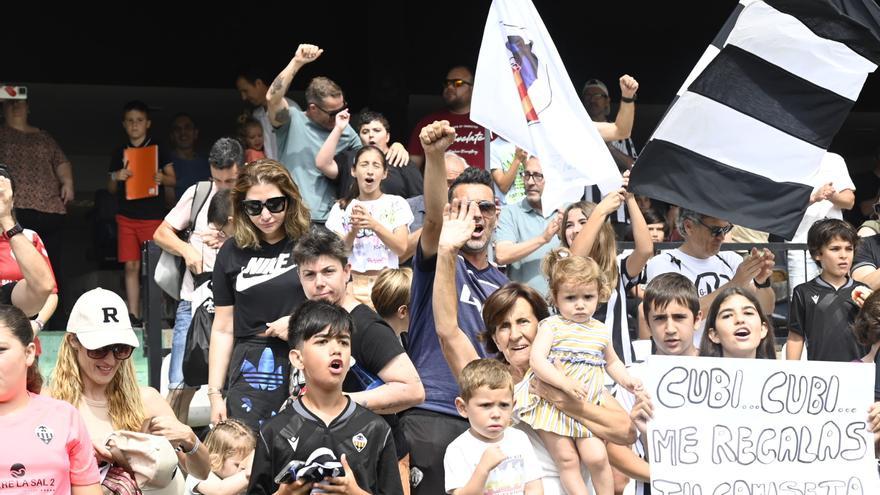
column 143, row 164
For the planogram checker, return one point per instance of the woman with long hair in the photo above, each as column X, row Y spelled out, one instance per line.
column 373, row 225
column 256, row 288
column 587, row 233
column 736, row 327
column 95, row 374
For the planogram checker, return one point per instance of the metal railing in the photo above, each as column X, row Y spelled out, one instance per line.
column 152, row 304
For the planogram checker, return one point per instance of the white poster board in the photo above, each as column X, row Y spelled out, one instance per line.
column 726, row 426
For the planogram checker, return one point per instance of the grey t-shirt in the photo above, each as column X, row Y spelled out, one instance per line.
column 298, row 143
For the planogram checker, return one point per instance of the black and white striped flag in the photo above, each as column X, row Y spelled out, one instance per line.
column 753, row 119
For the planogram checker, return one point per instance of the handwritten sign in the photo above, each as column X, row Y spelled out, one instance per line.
column 726, row 426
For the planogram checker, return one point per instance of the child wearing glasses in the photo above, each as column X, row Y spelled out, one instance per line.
column 373, row 225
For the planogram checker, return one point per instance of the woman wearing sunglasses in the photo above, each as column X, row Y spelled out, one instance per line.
column 256, row 288
column 587, row 232
column 95, row 373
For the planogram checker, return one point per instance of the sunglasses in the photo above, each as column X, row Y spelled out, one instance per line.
column 254, row 207
column 332, row 113
column 486, row 207
column 120, row 351
column 717, row 231
column 456, row 83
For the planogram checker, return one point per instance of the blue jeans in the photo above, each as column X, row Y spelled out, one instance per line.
column 178, row 345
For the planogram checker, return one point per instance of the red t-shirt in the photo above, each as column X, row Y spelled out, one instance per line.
column 470, row 138
column 9, row 269
column 47, row 449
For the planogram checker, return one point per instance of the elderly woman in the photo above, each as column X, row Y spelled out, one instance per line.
column 95, row 374
column 511, row 315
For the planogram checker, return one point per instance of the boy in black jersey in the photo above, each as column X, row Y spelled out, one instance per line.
column 320, row 346
column 822, row 309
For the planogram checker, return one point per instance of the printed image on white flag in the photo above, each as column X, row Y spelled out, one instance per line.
column 522, row 92
column 752, row 121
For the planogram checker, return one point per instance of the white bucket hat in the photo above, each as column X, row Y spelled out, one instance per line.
column 100, row 318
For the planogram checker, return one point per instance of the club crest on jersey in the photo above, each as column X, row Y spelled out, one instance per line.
column 44, row 434
column 359, row 441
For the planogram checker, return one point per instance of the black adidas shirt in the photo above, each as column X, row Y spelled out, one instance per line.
column 824, row 315
column 263, row 284
column 296, row 432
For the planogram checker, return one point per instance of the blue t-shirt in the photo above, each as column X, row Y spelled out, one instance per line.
column 519, row 222
column 473, row 287
column 189, row 172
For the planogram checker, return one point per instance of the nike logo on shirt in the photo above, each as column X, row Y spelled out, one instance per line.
column 260, row 270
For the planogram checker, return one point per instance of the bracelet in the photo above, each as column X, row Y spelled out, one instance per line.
column 214, row 391
column 624, row 99
column 39, row 323
column 195, row 446
column 760, row 285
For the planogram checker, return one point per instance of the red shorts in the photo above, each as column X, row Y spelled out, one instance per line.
column 131, row 235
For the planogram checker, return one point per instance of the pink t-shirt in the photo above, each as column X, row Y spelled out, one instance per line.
column 46, row 449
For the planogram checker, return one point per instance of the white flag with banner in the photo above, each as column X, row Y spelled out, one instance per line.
column 522, row 92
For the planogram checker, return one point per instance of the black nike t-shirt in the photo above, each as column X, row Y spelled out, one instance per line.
column 263, row 284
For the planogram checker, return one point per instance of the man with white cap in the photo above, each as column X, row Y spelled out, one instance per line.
column 93, row 372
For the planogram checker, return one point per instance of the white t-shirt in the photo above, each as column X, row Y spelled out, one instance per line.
column 832, row 169
column 707, row 274
column 369, row 252
column 501, row 153
column 508, row 478
column 178, row 218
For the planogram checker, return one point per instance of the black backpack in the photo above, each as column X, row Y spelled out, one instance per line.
column 198, row 337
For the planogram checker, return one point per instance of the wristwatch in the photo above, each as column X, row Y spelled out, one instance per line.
column 15, row 230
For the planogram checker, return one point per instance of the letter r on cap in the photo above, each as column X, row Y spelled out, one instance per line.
column 110, row 314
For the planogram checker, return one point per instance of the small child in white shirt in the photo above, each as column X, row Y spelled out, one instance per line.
column 490, row 457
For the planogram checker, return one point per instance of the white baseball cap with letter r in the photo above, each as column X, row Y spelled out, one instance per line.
column 100, row 318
